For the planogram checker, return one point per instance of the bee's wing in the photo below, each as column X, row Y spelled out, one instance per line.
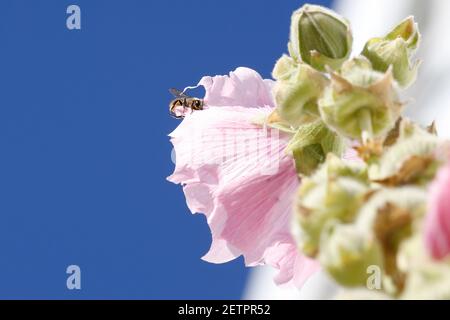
column 177, row 93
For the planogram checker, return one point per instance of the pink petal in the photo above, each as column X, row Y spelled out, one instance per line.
column 293, row 266
column 238, row 175
column 243, row 87
column 437, row 222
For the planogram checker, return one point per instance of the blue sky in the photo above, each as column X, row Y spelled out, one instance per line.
column 85, row 152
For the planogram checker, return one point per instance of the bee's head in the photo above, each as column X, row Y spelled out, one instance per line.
column 198, row 103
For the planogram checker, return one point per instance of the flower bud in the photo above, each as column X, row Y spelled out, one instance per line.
column 310, row 145
column 392, row 215
column 398, row 204
column 297, row 90
column 319, row 37
column 428, row 279
column 396, row 50
column 347, row 253
column 360, row 103
column 334, row 192
column 411, row 159
column 408, row 31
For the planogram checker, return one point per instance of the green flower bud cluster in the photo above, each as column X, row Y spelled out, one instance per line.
column 349, row 222
column 334, row 193
column 319, row 85
column 354, row 215
column 360, row 214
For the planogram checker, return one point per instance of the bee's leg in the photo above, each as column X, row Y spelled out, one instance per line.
column 184, row 105
column 172, row 108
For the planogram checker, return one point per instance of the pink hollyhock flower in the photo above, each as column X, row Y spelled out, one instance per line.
column 237, row 173
column 437, row 223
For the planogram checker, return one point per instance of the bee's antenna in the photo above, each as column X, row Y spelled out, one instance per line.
column 190, row 88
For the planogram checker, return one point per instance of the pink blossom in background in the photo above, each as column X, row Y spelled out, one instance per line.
column 437, row 224
column 237, row 173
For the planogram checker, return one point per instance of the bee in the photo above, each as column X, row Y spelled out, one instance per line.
column 182, row 102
